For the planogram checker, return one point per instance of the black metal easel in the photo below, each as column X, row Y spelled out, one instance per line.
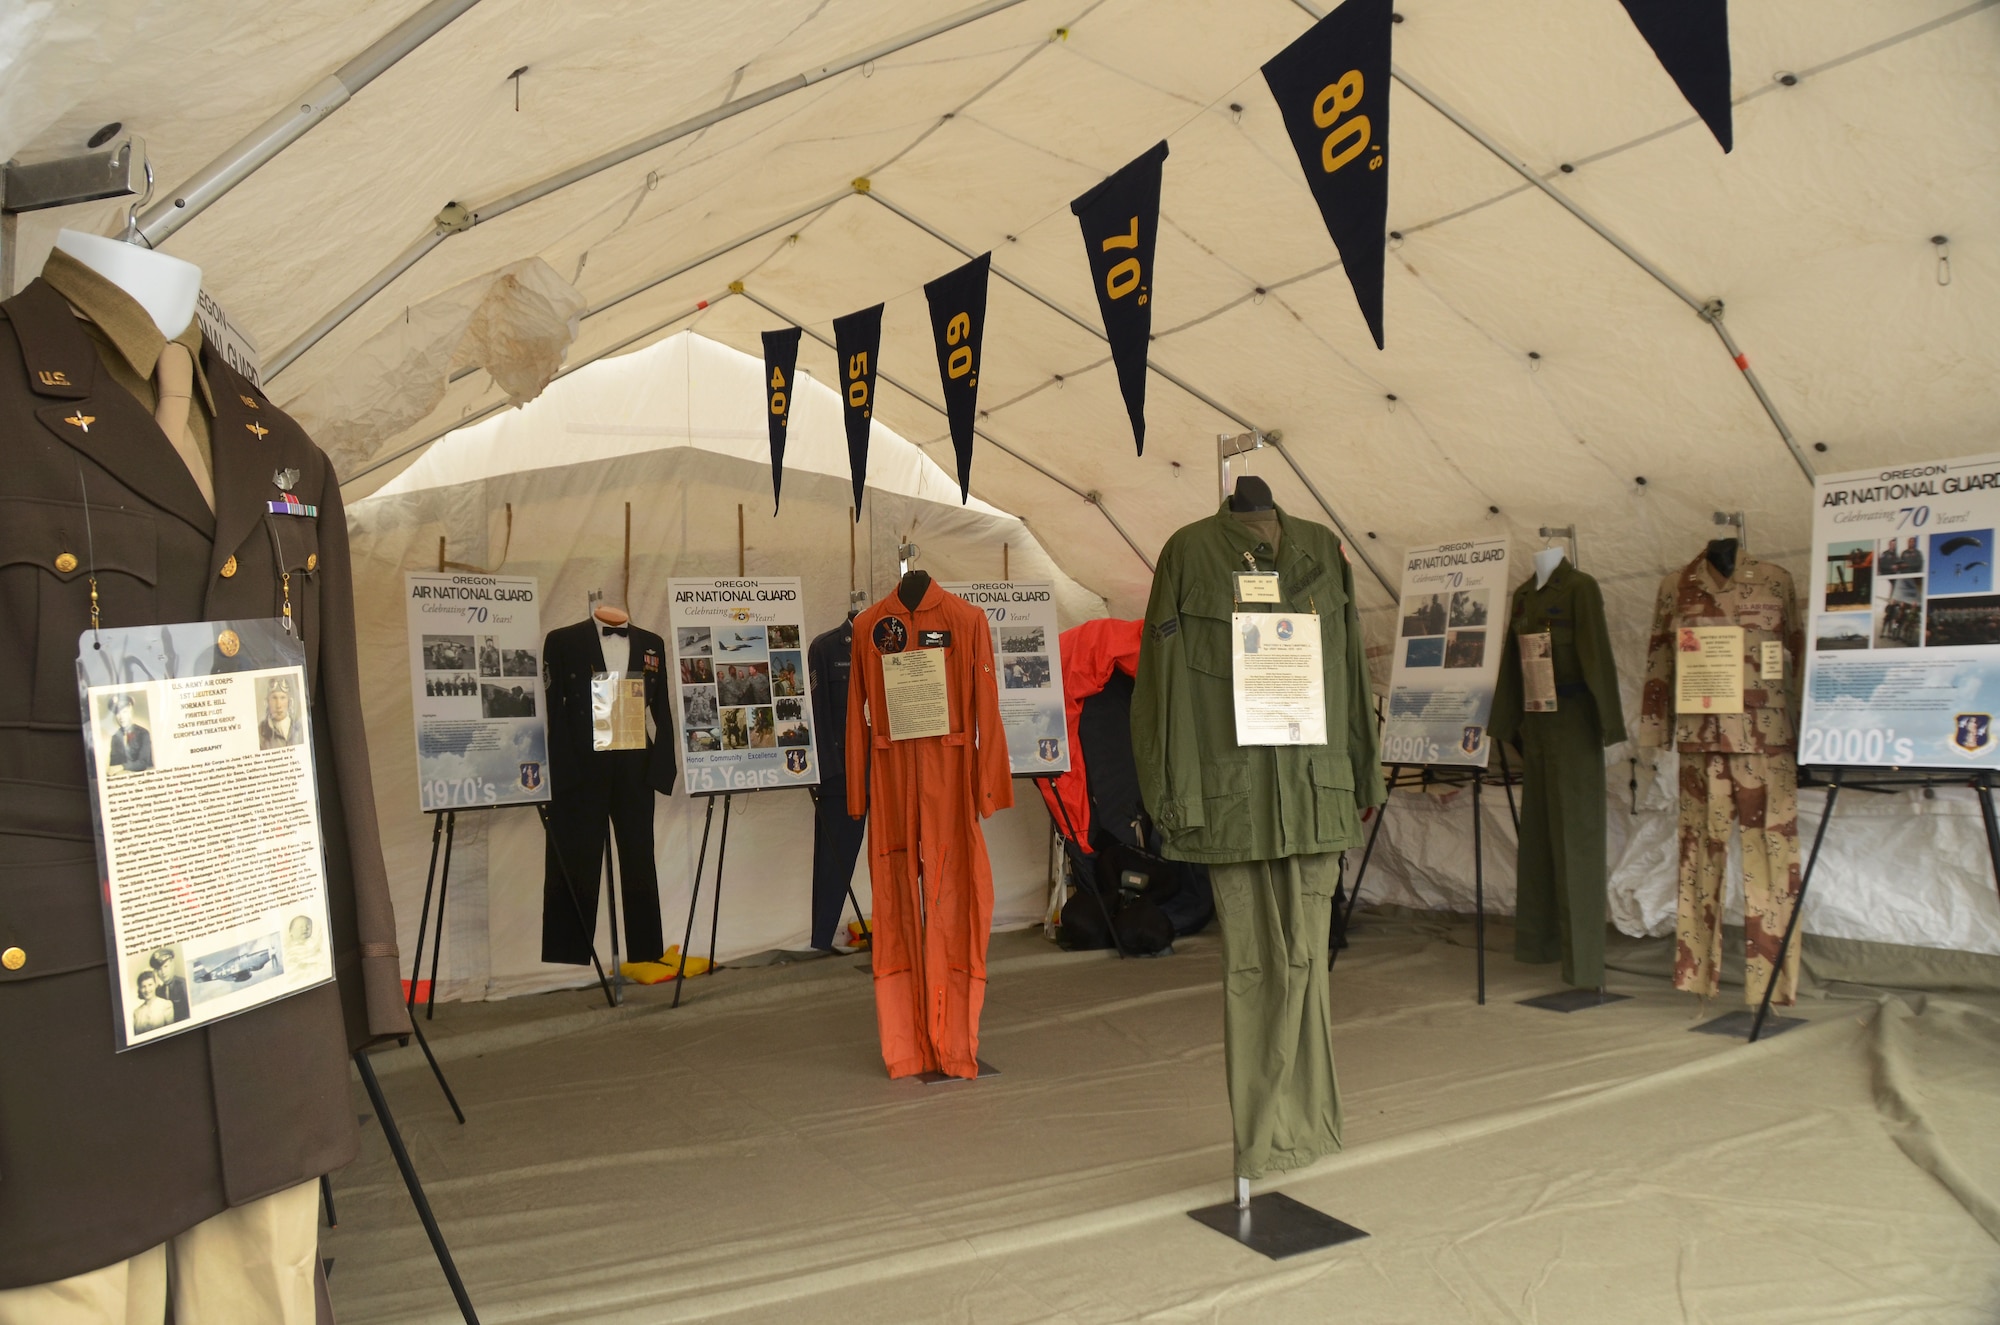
column 444, row 828
column 1885, row 782
column 715, row 906
column 394, row 1136
column 1418, row 776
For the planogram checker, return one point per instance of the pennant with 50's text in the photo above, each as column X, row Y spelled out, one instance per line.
column 1691, row 37
column 1332, row 87
column 857, row 344
column 781, row 362
column 1121, row 222
column 958, row 322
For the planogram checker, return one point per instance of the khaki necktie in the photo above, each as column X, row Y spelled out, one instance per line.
column 173, row 381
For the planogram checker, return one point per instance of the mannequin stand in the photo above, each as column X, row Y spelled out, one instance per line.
column 394, row 1136
column 1274, row 1224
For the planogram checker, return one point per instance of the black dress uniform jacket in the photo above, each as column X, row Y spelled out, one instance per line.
column 589, row 788
column 103, row 1154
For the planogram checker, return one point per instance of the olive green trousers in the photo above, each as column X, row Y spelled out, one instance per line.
column 1559, row 908
column 1276, row 1021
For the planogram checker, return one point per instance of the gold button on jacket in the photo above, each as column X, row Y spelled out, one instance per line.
column 228, row 568
column 66, row 562
column 13, row 959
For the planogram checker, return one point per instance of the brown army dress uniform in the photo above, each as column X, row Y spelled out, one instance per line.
column 105, row 1156
column 1736, row 768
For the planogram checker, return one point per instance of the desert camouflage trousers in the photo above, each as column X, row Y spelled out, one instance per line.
column 1760, row 793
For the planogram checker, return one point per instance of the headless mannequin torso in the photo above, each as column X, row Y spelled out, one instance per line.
column 1546, row 562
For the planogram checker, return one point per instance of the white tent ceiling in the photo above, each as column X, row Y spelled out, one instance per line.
column 1815, row 233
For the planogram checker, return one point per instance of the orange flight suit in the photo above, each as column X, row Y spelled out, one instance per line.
column 926, row 856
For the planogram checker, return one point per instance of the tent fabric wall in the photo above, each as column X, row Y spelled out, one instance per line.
column 677, row 431
column 1534, row 374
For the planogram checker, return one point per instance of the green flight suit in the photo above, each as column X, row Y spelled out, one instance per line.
column 1269, row 821
column 1559, row 908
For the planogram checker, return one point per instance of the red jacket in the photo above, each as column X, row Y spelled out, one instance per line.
column 1091, row 652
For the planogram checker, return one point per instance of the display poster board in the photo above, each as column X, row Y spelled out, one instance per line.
column 206, row 810
column 741, row 697
column 476, row 689
column 1027, row 660
column 1903, row 637
column 1451, row 625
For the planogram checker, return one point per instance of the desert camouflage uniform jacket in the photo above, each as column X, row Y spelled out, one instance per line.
column 1760, row 599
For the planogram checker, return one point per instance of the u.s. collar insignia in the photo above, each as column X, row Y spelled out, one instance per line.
column 258, row 431
column 249, row 402
column 81, row 420
column 284, row 480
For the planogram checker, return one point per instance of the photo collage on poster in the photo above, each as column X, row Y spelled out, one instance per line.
column 742, row 688
column 476, row 689
column 1442, row 676
column 1446, row 629
column 1027, row 659
column 1931, row 590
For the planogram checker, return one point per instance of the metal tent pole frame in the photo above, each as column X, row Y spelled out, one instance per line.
column 456, row 217
column 1175, row 379
column 299, row 117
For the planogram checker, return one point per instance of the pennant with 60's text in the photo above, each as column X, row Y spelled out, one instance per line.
column 958, row 321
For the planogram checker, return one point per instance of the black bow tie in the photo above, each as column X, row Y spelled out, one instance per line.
column 617, row 630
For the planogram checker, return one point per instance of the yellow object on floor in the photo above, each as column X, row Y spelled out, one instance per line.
column 857, row 936
column 663, row 970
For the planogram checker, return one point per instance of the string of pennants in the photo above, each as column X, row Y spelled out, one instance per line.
column 1332, row 90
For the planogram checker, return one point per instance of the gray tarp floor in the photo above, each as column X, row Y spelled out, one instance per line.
column 744, row 1159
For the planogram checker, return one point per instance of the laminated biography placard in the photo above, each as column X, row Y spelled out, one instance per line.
column 1708, row 669
column 1027, row 657
column 1278, row 679
column 914, row 692
column 1538, row 672
column 617, row 711
column 200, row 757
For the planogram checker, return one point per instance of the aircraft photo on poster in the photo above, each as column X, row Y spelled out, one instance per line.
column 1451, row 620
column 1903, row 653
column 476, row 689
column 745, row 718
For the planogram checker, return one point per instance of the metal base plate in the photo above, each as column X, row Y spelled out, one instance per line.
column 1572, row 1000
column 1276, row 1226
column 1738, row 1024
column 986, row 1069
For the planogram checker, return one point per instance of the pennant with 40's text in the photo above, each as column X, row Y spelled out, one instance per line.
column 1691, row 37
column 781, row 363
column 1332, row 87
column 857, row 344
column 958, row 323
column 1121, row 222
